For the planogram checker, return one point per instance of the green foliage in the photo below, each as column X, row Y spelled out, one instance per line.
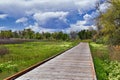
column 100, row 40
column 106, row 69
column 3, row 50
column 8, row 67
column 115, row 40
column 5, row 34
column 86, row 34
column 60, row 36
column 73, row 35
column 110, row 24
column 113, row 70
column 100, row 69
column 26, row 54
column 38, row 36
column 29, row 34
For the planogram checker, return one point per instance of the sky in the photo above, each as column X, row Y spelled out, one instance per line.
column 49, row 15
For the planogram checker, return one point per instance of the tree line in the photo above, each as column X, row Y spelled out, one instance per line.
column 108, row 24
column 29, row 34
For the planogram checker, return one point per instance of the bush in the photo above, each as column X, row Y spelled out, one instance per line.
column 106, row 62
column 9, row 67
column 3, row 50
column 114, row 70
column 100, row 41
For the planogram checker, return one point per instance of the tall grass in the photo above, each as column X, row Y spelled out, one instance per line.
column 106, row 67
column 3, row 50
column 26, row 54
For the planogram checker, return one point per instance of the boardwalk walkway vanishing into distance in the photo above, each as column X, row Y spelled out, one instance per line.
column 74, row 64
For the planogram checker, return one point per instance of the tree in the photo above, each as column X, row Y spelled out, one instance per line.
column 65, row 37
column 38, row 36
column 86, row 34
column 73, row 35
column 110, row 22
column 47, row 35
column 15, row 34
column 6, row 34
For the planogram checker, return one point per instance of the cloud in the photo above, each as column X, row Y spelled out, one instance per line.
column 43, row 17
column 53, row 20
column 2, row 28
column 104, row 6
column 35, row 27
column 21, row 20
column 87, row 17
column 78, row 26
column 19, row 8
column 51, row 15
column 3, row 16
column 85, row 5
column 90, row 18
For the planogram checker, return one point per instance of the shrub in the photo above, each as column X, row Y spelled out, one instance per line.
column 114, row 52
column 99, row 41
column 9, row 67
column 3, row 50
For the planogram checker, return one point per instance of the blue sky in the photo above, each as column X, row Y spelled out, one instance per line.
column 48, row 15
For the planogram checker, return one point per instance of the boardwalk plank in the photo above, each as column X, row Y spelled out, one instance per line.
column 74, row 64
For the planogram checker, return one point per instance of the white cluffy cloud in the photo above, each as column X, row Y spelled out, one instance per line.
column 104, row 6
column 78, row 26
column 19, row 8
column 2, row 28
column 47, row 13
column 85, row 5
column 74, row 27
column 87, row 17
column 3, row 16
column 35, row 27
column 21, row 20
column 43, row 17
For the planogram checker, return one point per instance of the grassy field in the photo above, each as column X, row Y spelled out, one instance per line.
column 106, row 67
column 21, row 56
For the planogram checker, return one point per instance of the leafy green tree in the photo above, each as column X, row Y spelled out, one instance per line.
column 110, row 23
column 15, row 34
column 86, row 34
column 47, row 35
column 38, row 36
column 73, row 35
column 6, row 34
column 65, row 36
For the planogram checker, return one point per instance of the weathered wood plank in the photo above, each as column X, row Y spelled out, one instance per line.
column 74, row 64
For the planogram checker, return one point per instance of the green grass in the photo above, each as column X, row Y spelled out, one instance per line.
column 106, row 68
column 24, row 55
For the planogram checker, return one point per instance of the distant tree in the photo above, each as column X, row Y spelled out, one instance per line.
column 110, row 23
column 27, row 34
column 73, row 35
column 65, row 36
column 6, row 34
column 59, row 35
column 15, row 34
column 54, row 35
column 38, row 36
column 47, row 35
column 85, row 34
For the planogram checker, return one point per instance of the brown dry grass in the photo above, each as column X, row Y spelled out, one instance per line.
column 114, row 52
column 116, row 48
column 3, row 50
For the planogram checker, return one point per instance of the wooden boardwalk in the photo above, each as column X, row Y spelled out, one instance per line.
column 74, row 64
